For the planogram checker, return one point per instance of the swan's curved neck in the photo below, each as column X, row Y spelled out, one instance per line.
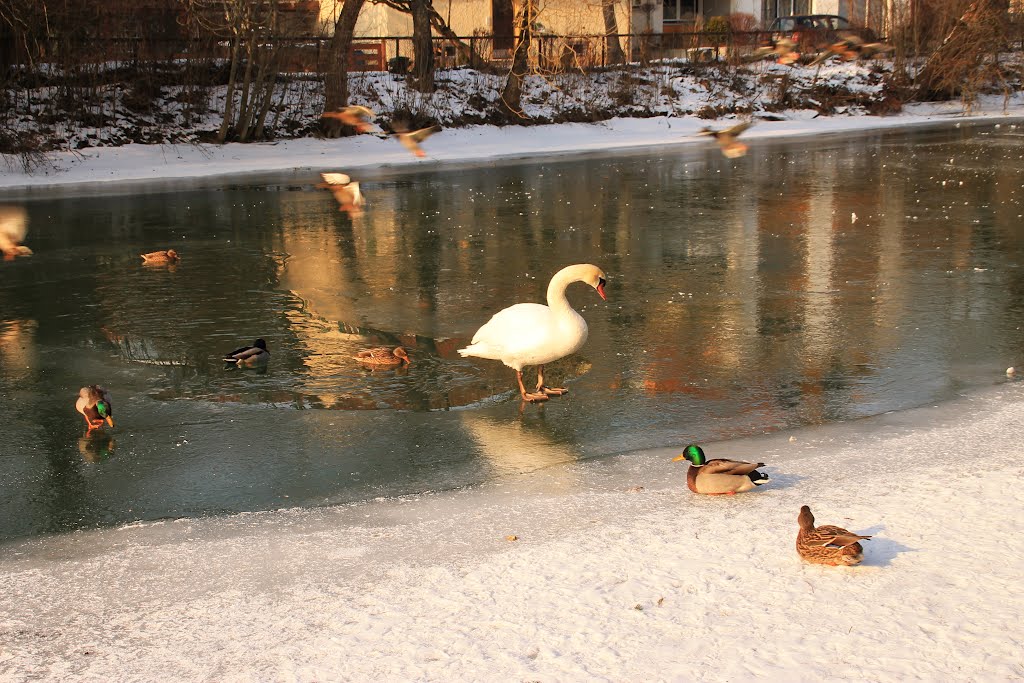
column 556, row 288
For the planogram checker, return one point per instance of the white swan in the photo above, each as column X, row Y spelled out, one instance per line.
column 534, row 334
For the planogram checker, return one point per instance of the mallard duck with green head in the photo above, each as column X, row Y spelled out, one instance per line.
column 249, row 356
column 95, row 406
column 719, row 476
column 832, row 545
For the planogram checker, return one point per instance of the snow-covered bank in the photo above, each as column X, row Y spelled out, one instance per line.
column 605, row 582
column 473, row 144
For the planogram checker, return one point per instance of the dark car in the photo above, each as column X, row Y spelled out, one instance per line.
column 816, row 30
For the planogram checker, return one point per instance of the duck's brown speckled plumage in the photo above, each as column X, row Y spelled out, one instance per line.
column 827, row 544
column 383, row 356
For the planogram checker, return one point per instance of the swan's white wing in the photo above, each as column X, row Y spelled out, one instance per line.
column 512, row 332
column 515, row 327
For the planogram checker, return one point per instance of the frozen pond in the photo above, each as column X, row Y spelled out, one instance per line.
column 812, row 281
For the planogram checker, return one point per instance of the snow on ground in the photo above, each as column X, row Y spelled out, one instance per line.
column 604, row 582
column 472, row 144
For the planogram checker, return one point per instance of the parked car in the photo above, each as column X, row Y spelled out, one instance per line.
column 816, row 31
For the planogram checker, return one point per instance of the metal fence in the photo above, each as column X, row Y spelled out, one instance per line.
column 548, row 53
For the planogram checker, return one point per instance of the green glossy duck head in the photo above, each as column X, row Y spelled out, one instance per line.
column 694, row 454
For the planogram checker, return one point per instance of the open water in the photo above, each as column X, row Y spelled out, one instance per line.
column 812, row 281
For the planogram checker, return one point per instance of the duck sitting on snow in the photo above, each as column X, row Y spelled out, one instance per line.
column 719, row 476
column 535, row 334
column 249, row 355
column 384, row 357
column 827, row 544
column 95, row 406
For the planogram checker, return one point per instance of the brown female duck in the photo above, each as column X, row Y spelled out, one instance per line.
column 384, row 357
column 156, row 258
column 827, row 544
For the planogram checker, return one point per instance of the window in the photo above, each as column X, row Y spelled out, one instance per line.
column 681, row 10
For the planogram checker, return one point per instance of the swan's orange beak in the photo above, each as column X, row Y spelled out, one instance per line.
column 600, row 289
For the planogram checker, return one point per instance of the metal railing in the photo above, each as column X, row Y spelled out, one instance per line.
column 312, row 54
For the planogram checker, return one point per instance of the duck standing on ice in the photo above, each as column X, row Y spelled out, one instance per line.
column 535, row 334
column 95, row 406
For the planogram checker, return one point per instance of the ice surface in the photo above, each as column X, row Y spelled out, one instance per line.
column 605, row 582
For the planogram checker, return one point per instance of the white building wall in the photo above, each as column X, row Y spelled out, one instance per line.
column 747, row 7
column 825, row 6
column 466, row 16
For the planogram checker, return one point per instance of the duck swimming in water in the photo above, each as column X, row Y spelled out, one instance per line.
column 157, row 258
column 249, row 356
column 384, row 357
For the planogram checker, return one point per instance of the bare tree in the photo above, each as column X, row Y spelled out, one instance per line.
column 512, row 93
column 249, row 29
column 422, row 45
column 611, row 29
column 336, row 76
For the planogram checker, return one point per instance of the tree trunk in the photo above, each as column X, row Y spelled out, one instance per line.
column 512, row 94
column 229, row 100
column 613, row 48
column 422, row 45
column 336, row 77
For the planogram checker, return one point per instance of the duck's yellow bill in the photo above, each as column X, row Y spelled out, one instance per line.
column 110, row 421
column 679, row 457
